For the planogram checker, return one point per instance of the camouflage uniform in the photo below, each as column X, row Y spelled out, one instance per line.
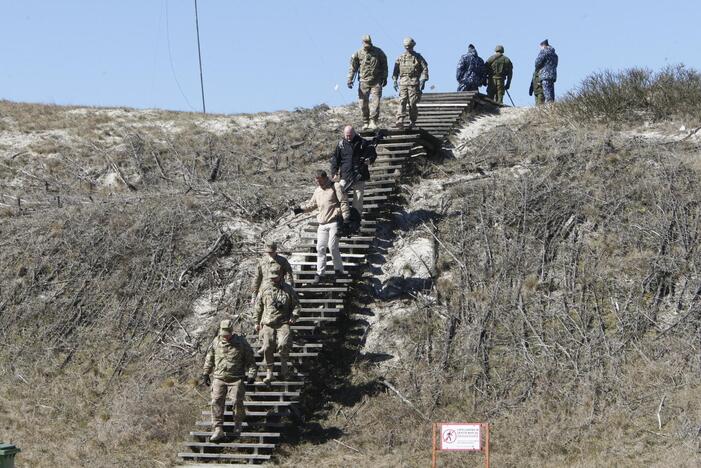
column 499, row 74
column 536, row 89
column 410, row 73
column 370, row 65
column 230, row 358
column 276, row 306
column 546, row 66
column 470, row 72
column 269, row 267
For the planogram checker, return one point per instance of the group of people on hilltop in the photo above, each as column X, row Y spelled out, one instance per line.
column 369, row 66
column 410, row 74
column 497, row 72
column 230, row 361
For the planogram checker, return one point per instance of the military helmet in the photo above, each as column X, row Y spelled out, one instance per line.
column 367, row 39
column 409, row 42
column 499, row 48
column 271, row 246
column 226, row 327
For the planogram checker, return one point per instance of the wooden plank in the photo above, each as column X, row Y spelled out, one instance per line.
column 225, row 456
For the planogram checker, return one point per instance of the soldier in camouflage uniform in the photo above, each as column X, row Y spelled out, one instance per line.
column 277, row 307
column 536, row 89
column 499, row 74
column 268, row 266
column 546, row 66
column 470, row 72
column 370, row 65
column 410, row 76
column 229, row 356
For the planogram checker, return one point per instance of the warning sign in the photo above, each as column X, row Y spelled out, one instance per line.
column 461, row 436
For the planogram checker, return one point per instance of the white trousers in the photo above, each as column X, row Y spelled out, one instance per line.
column 327, row 236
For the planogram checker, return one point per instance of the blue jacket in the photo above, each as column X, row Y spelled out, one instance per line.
column 546, row 64
column 471, row 72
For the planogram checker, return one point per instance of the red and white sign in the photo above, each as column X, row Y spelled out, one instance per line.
column 461, row 436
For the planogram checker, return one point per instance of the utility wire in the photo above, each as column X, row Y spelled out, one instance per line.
column 170, row 58
column 199, row 56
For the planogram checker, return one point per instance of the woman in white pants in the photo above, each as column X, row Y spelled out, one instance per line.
column 332, row 203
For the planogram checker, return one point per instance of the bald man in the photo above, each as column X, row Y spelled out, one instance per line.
column 349, row 164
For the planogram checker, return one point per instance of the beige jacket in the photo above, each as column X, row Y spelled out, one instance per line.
column 331, row 201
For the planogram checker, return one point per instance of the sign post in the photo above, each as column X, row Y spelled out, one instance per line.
column 460, row 437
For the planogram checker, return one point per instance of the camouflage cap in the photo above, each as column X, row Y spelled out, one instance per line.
column 367, row 39
column 271, row 246
column 409, row 42
column 226, row 327
column 499, row 48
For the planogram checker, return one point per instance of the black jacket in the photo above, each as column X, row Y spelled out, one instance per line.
column 351, row 158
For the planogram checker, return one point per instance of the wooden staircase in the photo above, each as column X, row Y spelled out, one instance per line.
column 269, row 407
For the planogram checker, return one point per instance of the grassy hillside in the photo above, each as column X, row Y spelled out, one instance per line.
column 563, row 308
column 101, row 210
column 565, row 305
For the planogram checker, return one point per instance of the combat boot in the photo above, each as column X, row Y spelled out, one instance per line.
column 268, row 376
column 372, row 125
column 218, row 435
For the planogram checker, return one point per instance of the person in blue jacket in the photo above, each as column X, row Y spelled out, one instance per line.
column 546, row 67
column 471, row 73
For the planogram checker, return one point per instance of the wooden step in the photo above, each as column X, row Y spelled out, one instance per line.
column 308, row 289
column 224, row 456
column 321, row 301
column 253, row 414
column 328, row 264
column 251, row 445
column 244, row 434
column 342, row 245
column 328, row 255
column 265, row 393
column 245, row 424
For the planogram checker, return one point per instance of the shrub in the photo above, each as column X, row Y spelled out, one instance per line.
column 634, row 94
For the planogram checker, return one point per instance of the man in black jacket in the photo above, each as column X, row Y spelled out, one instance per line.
column 349, row 164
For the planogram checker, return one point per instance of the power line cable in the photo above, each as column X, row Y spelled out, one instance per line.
column 170, row 58
column 199, row 56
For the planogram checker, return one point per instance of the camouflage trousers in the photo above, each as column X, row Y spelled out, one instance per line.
column 369, row 101
column 220, row 390
column 409, row 97
column 270, row 337
column 538, row 92
column 548, row 90
column 495, row 89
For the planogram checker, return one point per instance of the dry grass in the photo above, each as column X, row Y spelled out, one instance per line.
column 90, row 303
column 576, row 313
column 635, row 95
column 557, row 330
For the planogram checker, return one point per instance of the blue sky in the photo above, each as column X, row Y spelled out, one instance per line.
column 270, row 55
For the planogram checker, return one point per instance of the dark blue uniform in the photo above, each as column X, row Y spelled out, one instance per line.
column 471, row 73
